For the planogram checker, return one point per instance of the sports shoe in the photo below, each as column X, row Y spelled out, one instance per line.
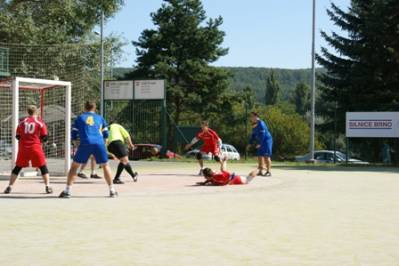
column 201, row 172
column 65, row 195
column 49, row 190
column 135, row 174
column 267, row 174
column 113, row 194
column 117, row 181
column 82, row 175
column 95, row 176
column 7, row 190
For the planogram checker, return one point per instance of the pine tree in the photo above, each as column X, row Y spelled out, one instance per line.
column 272, row 89
column 363, row 72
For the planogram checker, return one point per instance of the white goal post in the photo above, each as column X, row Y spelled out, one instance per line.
column 62, row 96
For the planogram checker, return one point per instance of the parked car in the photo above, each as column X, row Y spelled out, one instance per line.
column 227, row 150
column 145, row 151
column 327, row 156
column 193, row 154
column 230, row 151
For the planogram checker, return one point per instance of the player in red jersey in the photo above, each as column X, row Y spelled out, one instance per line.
column 224, row 177
column 31, row 132
column 212, row 144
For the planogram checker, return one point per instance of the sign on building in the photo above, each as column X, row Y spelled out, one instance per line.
column 149, row 89
column 372, row 124
column 118, row 90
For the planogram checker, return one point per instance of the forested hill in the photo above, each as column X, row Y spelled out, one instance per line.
column 255, row 77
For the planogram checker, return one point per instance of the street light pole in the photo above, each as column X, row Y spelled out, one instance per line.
column 102, row 65
column 313, row 86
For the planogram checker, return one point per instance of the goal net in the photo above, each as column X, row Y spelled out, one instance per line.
column 53, row 99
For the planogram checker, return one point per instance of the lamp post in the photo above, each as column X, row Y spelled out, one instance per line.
column 313, row 86
column 102, row 65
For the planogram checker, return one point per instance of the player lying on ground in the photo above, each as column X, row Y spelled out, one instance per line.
column 93, row 173
column 212, row 144
column 31, row 132
column 263, row 141
column 117, row 140
column 224, row 177
column 92, row 131
column 164, row 154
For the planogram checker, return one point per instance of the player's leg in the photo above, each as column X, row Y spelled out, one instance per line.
column 128, row 167
column 223, row 163
column 120, row 151
column 260, row 165
column 14, row 175
column 201, row 162
column 72, row 173
column 82, row 155
column 268, row 154
column 93, row 173
column 46, row 178
column 80, row 173
column 101, row 156
column 251, row 176
column 38, row 160
column 23, row 158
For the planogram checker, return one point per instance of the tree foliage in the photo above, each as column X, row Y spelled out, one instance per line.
column 272, row 90
column 51, row 21
column 302, row 98
column 179, row 50
column 362, row 74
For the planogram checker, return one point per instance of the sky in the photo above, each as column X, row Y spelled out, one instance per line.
column 259, row 33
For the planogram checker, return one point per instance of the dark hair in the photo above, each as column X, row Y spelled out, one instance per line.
column 31, row 109
column 254, row 114
column 90, row 105
column 205, row 123
column 207, row 172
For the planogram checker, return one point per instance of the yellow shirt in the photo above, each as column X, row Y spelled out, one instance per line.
column 117, row 132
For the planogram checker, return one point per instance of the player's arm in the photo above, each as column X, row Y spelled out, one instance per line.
column 43, row 133
column 204, row 183
column 75, row 132
column 127, row 137
column 18, row 133
column 193, row 141
column 104, row 128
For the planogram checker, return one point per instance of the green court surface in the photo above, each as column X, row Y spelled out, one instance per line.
column 299, row 216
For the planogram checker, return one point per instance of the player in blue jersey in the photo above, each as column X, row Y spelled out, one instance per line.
column 263, row 141
column 92, row 131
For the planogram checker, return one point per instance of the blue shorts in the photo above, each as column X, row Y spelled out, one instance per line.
column 85, row 150
column 266, row 148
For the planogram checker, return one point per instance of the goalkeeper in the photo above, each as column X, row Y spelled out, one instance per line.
column 116, row 145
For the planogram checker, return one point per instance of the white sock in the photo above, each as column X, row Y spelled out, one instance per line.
column 67, row 189
column 111, row 188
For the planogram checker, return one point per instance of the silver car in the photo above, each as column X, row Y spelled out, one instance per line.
column 327, row 156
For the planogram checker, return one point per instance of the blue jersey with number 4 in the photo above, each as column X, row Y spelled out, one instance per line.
column 91, row 128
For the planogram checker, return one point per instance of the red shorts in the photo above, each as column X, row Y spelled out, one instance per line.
column 210, row 149
column 33, row 154
column 237, row 180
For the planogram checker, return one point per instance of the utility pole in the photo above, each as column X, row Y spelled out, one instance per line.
column 313, row 86
column 102, row 64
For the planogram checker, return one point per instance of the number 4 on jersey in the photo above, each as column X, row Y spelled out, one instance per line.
column 90, row 120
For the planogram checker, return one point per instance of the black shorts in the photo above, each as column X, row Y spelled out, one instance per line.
column 118, row 149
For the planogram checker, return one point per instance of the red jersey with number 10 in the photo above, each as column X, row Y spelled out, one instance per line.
column 30, row 129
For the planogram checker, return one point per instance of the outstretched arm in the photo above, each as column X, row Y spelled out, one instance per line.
column 193, row 141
